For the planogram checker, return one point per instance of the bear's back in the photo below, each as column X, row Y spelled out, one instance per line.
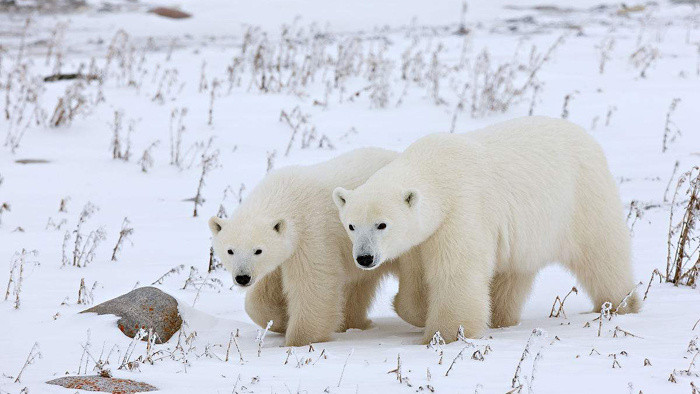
column 307, row 189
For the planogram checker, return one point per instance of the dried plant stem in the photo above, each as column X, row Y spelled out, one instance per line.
column 342, row 372
column 209, row 162
column 124, row 235
column 397, row 371
column 458, row 356
column 34, row 353
column 670, row 180
column 558, row 305
column 660, row 276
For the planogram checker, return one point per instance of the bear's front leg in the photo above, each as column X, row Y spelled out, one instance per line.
column 314, row 304
column 411, row 303
column 458, row 293
column 265, row 301
column 359, row 296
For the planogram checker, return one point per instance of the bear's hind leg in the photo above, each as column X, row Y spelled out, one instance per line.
column 509, row 291
column 604, row 271
column 600, row 253
column 265, row 301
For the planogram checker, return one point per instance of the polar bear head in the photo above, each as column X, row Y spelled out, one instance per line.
column 252, row 246
column 382, row 223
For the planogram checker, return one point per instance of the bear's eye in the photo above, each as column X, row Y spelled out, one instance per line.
column 258, row 251
column 230, row 251
column 381, row 226
column 351, row 227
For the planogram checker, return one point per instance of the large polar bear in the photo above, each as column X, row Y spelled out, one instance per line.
column 286, row 241
column 485, row 211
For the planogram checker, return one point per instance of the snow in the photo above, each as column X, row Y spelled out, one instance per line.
column 246, row 130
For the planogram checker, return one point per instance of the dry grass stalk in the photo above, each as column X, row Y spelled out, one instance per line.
column 146, row 160
column 83, row 247
column 124, row 235
column 210, row 160
column 14, row 283
column 212, row 260
column 127, row 363
column 517, row 382
column 4, row 207
column 174, row 270
column 62, row 207
column 461, row 101
column 177, row 129
column 233, row 340
column 295, row 120
column 657, row 273
column 229, row 191
column 606, row 47
column 23, row 108
column 683, row 264
column 198, row 281
column 605, row 313
column 497, row 90
column 397, row 370
column 121, row 149
column 342, row 372
column 271, row 160
column 558, row 305
column 260, row 338
column 627, row 297
column 533, row 101
column 69, row 105
column 52, row 225
column 615, row 364
column 85, row 296
column 643, row 58
column 670, row 180
column 478, row 355
column 199, row 288
column 34, row 353
column 671, row 131
column 565, row 106
column 210, row 114
column 624, row 332
column 609, row 114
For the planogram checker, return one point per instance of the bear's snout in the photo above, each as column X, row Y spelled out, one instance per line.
column 365, row 260
column 243, row 280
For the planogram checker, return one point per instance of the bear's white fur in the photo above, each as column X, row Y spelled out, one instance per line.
column 287, row 238
column 485, row 211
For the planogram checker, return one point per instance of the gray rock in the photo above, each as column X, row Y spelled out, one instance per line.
column 143, row 308
column 100, row 383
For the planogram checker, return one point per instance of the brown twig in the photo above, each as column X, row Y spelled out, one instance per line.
column 561, row 301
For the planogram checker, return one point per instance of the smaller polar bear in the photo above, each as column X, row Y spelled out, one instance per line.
column 485, row 211
column 287, row 244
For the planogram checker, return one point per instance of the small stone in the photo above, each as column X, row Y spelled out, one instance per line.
column 143, row 308
column 99, row 383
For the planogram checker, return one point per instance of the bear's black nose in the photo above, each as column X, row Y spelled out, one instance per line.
column 365, row 260
column 243, row 280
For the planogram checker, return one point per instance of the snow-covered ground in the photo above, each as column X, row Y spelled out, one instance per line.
column 346, row 74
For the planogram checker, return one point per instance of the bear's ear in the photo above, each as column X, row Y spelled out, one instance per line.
column 340, row 197
column 215, row 224
column 410, row 197
column 280, row 226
